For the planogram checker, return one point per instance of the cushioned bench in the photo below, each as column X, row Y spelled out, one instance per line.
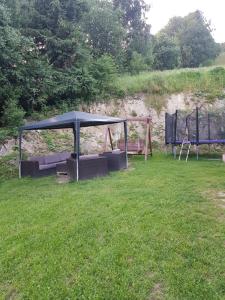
column 116, row 160
column 38, row 166
column 90, row 166
column 135, row 147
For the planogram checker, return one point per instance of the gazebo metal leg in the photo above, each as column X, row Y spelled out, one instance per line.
column 77, row 148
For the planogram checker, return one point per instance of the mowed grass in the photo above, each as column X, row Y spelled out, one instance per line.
column 156, row 231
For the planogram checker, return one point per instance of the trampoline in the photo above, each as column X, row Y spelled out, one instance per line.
column 200, row 127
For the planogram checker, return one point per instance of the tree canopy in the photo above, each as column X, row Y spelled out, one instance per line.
column 64, row 52
column 192, row 34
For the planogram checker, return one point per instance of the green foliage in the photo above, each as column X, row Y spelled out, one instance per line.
column 24, row 75
column 165, row 53
column 8, row 166
column 192, row 35
column 220, row 60
column 13, row 116
column 134, row 20
column 104, row 70
column 137, row 63
column 104, row 30
column 137, row 38
column 58, row 53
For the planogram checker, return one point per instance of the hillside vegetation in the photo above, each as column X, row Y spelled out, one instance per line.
column 203, row 82
column 220, row 60
column 60, row 54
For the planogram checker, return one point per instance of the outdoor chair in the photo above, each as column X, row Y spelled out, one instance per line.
column 90, row 166
column 116, row 160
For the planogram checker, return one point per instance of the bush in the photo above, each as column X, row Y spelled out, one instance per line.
column 137, row 63
column 8, row 167
column 104, row 71
column 12, row 117
column 166, row 53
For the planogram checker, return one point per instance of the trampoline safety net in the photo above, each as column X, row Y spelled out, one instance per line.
column 199, row 127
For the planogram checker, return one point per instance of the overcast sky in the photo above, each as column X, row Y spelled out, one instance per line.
column 162, row 10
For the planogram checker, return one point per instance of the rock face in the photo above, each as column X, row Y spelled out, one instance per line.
column 92, row 138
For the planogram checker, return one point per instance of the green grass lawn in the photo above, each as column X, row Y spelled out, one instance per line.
column 156, row 231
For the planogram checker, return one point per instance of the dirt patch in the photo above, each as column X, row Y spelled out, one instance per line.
column 150, row 274
column 156, row 292
column 62, row 178
column 12, row 294
column 218, row 199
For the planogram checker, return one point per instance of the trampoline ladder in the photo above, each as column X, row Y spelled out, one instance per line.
column 187, row 143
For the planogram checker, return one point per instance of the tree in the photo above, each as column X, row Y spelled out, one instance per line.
column 137, row 63
column 104, row 29
column 174, row 27
column 192, row 35
column 166, row 53
column 104, row 70
column 23, row 76
column 196, row 42
column 133, row 14
column 54, row 25
column 138, row 38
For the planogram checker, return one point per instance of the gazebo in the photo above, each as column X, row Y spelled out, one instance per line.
column 74, row 120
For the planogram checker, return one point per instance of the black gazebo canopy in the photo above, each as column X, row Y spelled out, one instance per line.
column 74, row 120
column 68, row 120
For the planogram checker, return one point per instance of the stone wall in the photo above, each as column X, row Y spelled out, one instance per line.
column 92, row 139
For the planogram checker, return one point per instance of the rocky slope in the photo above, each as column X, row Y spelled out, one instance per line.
column 92, row 139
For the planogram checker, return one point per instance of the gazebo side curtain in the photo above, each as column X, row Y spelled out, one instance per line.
column 76, row 133
column 77, row 150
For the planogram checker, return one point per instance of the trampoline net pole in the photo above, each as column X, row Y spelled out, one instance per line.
column 74, row 138
column 175, row 128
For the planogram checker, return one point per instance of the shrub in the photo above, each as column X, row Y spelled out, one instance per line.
column 104, row 71
column 12, row 117
column 137, row 63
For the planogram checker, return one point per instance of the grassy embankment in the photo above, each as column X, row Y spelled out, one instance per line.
column 153, row 232
column 203, row 82
column 208, row 83
column 220, row 60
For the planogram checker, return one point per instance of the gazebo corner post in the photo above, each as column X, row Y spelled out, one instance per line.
column 20, row 151
column 125, row 141
column 77, row 127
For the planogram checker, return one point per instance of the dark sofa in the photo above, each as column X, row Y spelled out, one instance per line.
column 116, row 160
column 90, row 166
column 38, row 166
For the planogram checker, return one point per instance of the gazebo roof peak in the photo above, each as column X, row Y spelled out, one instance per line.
column 67, row 120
